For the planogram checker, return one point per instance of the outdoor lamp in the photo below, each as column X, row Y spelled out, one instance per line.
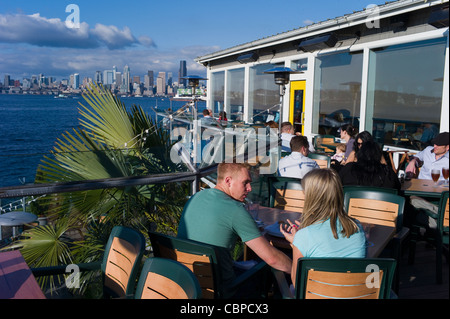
column 194, row 81
column 281, row 77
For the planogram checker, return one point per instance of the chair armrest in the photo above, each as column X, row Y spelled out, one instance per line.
column 282, row 283
column 260, row 268
column 402, row 234
column 61, row 270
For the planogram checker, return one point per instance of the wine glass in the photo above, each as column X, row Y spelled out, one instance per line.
column 435, row 174
column 445, row 174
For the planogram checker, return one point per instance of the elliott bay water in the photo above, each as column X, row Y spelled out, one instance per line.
column 30, row 125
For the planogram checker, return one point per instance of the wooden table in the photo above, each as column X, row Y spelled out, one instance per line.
column 16, row 278
column 378, row 235
column 423, row 188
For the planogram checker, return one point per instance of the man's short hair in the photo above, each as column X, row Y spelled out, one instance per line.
column 229, row 169
column 286, row 126
column 205, row 112
column 299, row 141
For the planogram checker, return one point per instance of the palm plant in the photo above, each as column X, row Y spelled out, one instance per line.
column 111, row 142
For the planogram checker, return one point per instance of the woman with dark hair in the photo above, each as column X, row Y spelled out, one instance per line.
column 348, row 133
column 369, row 169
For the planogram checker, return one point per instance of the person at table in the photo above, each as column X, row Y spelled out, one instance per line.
column 347, row 133
column 325, row 229
column 360, row 139
column 297, row 164
column 217, row 216
column 368, row 170
column 287, row 133
column 339, row 155
column 432, row 157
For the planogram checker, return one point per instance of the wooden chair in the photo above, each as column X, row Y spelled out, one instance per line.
column 348, row 188
column 318, row 140
column 203, row 260
column 322, row 160
column 341, row 278
column 286, row 193
column 167, row 279
column 380, row 208
column 122, row 258
column 440, row 234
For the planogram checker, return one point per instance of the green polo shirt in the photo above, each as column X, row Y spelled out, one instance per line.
column 214, row 218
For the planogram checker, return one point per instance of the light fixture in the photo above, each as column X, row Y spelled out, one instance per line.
column 318, row 43
column 281, row 77
column 194, row 81
column 248, row 57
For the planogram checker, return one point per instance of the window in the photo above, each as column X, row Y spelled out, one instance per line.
column 264, row 94
column 405, row 93
column 217, row 91
column 337, row 95
column 235, row 93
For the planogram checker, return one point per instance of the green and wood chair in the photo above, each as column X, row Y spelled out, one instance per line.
column 286, row 193
column 380, row 208
column 322, row 160
column 348, row 188
column 167, row 279
column 120, row 264
column 340, row 278
column 318, row 140
column 203, row 260
column 440, row 235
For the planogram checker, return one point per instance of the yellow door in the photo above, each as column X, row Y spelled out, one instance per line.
column 297, row 105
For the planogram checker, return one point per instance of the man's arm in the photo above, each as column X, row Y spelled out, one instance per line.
column 272, row 256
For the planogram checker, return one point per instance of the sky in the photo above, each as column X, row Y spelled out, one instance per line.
column 44, row 36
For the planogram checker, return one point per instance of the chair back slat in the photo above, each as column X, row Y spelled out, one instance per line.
column 119, row 265
column 290, row 199
column 200, row 265
column 161, row 287
column 322, row 163
column 325, row 140
column 373, row 211
column 340, row 285
column 446, row 215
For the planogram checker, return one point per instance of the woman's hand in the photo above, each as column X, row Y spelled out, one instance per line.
column 290, row 230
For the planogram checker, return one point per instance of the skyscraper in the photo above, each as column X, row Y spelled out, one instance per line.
column 161, row 83
column 182, row 73
column 126, row 79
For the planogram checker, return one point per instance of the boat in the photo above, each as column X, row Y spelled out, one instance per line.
column 61, row 96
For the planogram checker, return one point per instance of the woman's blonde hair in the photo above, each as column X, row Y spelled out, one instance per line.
column 324, row 199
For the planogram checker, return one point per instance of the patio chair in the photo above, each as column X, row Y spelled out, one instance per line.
column 122, row 258
column 348, row 188
column 318, row 140
column 340, row 278
column 440, row 235
column 203, row 260
column 322, row 160
column 167, row 279
column 380, row 208
column 286, row 193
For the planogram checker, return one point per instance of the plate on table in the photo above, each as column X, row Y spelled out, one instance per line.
column 274, row 230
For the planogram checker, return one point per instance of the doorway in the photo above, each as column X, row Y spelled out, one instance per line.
column 297, row 105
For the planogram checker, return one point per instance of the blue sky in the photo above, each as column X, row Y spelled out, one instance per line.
column 145, row 34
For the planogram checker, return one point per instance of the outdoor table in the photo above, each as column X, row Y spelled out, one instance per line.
column 16, row 279
column 15, row 219
column 378, row 236
column 423, row 188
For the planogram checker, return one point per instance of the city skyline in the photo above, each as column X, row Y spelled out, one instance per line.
column 81, row 36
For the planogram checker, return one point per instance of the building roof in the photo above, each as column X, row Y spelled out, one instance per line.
column 357, row 17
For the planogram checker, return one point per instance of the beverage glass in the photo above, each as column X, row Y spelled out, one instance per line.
column 445, row 174
column 435, row 174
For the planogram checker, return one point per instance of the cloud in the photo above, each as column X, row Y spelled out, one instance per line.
column 40, row 31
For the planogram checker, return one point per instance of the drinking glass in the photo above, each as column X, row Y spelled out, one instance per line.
column 445, row 174
column 435, row 174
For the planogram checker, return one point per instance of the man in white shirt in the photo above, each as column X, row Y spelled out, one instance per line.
column 287, row 133
column 298, row 163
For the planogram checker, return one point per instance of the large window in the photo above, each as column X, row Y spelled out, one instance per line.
column 235, row 93
column 405, row 93
column 217, row 91
column 337, row 95
column 264, row 94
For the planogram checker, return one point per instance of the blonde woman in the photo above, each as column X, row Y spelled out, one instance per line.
column 325, row 230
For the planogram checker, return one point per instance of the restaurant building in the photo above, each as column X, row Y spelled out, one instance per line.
column 383, row 69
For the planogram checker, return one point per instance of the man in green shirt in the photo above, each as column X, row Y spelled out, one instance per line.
column 218, row 217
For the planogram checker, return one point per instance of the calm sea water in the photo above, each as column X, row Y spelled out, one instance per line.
column 30, row 125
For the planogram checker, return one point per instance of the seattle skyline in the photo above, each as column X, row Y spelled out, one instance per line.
column 149, row 35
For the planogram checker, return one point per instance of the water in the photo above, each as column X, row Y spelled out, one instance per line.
column 30, row 125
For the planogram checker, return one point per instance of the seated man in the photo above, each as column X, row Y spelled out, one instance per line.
column 432, row 157
column 217, row 216
column 287, row 133
column 298, row 163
